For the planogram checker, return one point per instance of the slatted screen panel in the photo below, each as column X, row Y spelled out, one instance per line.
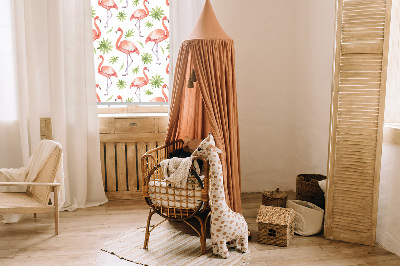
column 358, row 95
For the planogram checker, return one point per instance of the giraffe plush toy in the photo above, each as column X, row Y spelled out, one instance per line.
column 226, row 225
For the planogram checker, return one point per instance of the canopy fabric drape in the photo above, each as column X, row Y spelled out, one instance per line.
column 211, row 106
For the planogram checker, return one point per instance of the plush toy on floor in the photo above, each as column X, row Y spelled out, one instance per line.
column 226, row 225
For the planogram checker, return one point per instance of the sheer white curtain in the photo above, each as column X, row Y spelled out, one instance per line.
column 10, row 156
column 54, row 77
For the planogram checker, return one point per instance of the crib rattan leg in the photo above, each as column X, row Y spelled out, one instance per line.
column 147, row 235
column 203, row 236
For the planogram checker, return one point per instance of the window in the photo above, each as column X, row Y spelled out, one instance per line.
column 8, row 106
column 131, row 47
column 392, row 108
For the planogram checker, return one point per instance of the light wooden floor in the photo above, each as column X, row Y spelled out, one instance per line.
column 83, row 232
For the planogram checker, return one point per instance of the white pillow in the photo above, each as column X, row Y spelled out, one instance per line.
column 309, row 217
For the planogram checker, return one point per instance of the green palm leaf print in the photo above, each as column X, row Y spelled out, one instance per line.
column 148, row 92
column 109, row 98
column 147, row 58
column 156, row 81
column 156, row 13
column 129, row 33
column 113, row 59
column 121, row 84
column 105, row 46
column 135, row 70
column 121, row 16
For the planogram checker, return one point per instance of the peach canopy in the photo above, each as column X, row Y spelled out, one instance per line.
column 211, row 105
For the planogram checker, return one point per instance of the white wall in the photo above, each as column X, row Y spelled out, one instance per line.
column 264, row 33
column 314, row 60
column 388, row 227
column 284, row 52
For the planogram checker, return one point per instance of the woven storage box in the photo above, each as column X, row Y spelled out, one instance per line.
column 274, row 198
column 308, row 189
column 275, row 225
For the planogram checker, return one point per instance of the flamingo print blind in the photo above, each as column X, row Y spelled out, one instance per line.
column 131, row 48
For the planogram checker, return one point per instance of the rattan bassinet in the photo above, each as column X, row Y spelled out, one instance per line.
column 170, row 202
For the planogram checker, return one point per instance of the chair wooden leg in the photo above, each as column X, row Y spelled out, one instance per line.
column 56, row 211
column 147, row 235
column 34, row 215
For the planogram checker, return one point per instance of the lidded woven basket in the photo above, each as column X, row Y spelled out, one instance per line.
column 308, row 189
column 275, row 225
column 274, row 198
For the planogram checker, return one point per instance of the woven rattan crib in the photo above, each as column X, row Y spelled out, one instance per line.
column 170, row 202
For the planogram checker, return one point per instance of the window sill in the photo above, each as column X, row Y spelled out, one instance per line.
column 127, row 115
column 132, row 110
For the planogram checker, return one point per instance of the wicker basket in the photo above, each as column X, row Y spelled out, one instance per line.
column 275, row 225
column 308, row 189
column 274, row 198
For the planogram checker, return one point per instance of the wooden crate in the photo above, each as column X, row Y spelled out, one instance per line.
column 123, row 141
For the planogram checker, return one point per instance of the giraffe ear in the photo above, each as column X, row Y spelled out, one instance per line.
column 216, row 149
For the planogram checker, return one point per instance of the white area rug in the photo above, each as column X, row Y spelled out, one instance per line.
column 168, row 247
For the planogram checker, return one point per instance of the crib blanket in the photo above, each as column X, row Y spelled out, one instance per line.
column 176, row 170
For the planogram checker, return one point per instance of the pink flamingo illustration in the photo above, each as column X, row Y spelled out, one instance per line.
column 161, row 99
column 167, row 69
column 106, row 71
column 96, row 32
column 140, row 14
column 140, row 82
column 97, row 95
column 119, row 97
column 107, row 4
column 158, row 36
column 127, row 48
column 167, row 2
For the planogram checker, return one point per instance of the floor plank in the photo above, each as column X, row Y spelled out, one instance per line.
column 82, row 233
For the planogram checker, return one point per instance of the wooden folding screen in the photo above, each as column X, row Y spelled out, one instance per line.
column 358, row 96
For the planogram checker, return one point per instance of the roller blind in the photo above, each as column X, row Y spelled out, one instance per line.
column 358, row 97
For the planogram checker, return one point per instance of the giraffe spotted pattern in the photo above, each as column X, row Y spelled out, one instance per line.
column 226, row 225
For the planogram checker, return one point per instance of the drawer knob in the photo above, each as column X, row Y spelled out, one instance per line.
column 133, row 124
